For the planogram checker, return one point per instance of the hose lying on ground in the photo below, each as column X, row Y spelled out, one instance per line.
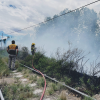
column 44, row 80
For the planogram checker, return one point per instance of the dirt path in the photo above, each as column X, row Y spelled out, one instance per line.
column 37, row 89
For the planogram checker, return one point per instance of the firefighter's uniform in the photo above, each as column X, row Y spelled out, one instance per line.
column 12, row 55
column 33, row 49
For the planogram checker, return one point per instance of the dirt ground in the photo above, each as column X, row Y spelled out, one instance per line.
column 11, row 79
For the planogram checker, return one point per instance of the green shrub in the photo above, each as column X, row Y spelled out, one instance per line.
column 87, row 98
column 59, row 86
column 17, row 92
column 19, row 69
column 14, row 88
column 54, row 86
column 57, row 75
column 81, row 80
column 17, row 65
column 26, row 75
column 40, row 82
column 67, row 80
column 89, row 92
column 50, row 91
column 4, row 71
column 26, row 88
column 33, row 78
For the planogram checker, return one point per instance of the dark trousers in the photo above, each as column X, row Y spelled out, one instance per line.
column 32, row 52
column 12, row 59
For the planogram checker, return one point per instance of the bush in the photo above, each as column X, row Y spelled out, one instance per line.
column 40, row 82
column 17, row 92
column 19, row 69
column 87, row 98
column 81, row 79
column 4, row 71
column 67, row 80
column 33, row 78
column 54, row 86
column 50, row 91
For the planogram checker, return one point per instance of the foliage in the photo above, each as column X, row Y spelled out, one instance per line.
column 62, row 68
column 23, row 53
column 81, row 80
column 50, row 91
column 20, row 69
column 67, row 80
column 87, row 98
column 11, row 92
column 40, row 82
column 33, row 78
column 4, row 71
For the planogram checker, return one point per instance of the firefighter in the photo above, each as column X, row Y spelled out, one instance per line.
column 13, row 52
column 33, row 49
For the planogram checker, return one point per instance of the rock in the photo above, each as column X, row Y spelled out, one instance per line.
column 18, row 76
column 31, row 85
column 14, row 71
column 24, row 80
column 37, row 91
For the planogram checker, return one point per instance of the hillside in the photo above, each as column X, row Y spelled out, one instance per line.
column 64, row 70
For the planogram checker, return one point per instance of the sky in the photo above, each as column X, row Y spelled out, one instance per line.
column 19, row 14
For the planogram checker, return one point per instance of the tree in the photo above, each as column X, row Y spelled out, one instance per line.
column 23, row 53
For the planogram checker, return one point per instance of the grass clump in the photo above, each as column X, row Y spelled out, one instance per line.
column 4, row 71
column 19, row 69
column 63, row 95
column 59, row 86
column 26, row 75
column 50, row 91
column 17, row 79
column 17, row 92
column 54, row 86
column 33, row 78
column 67, row 80
column 87, row 98
column 40, row 82
column 17, row 64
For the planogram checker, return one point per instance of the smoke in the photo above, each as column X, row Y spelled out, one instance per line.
column 80, row 28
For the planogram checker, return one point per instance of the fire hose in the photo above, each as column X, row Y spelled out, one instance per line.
column 44, row 81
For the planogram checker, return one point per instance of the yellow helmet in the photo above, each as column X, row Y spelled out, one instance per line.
column 33, row 43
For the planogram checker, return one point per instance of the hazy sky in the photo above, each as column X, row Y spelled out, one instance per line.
column 18, row 14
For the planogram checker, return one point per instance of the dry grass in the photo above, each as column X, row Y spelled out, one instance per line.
column 63, row 95
column 11, row 92
column 33, row 78
column 49, row 91
column 4, row 71
column 5, row 60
